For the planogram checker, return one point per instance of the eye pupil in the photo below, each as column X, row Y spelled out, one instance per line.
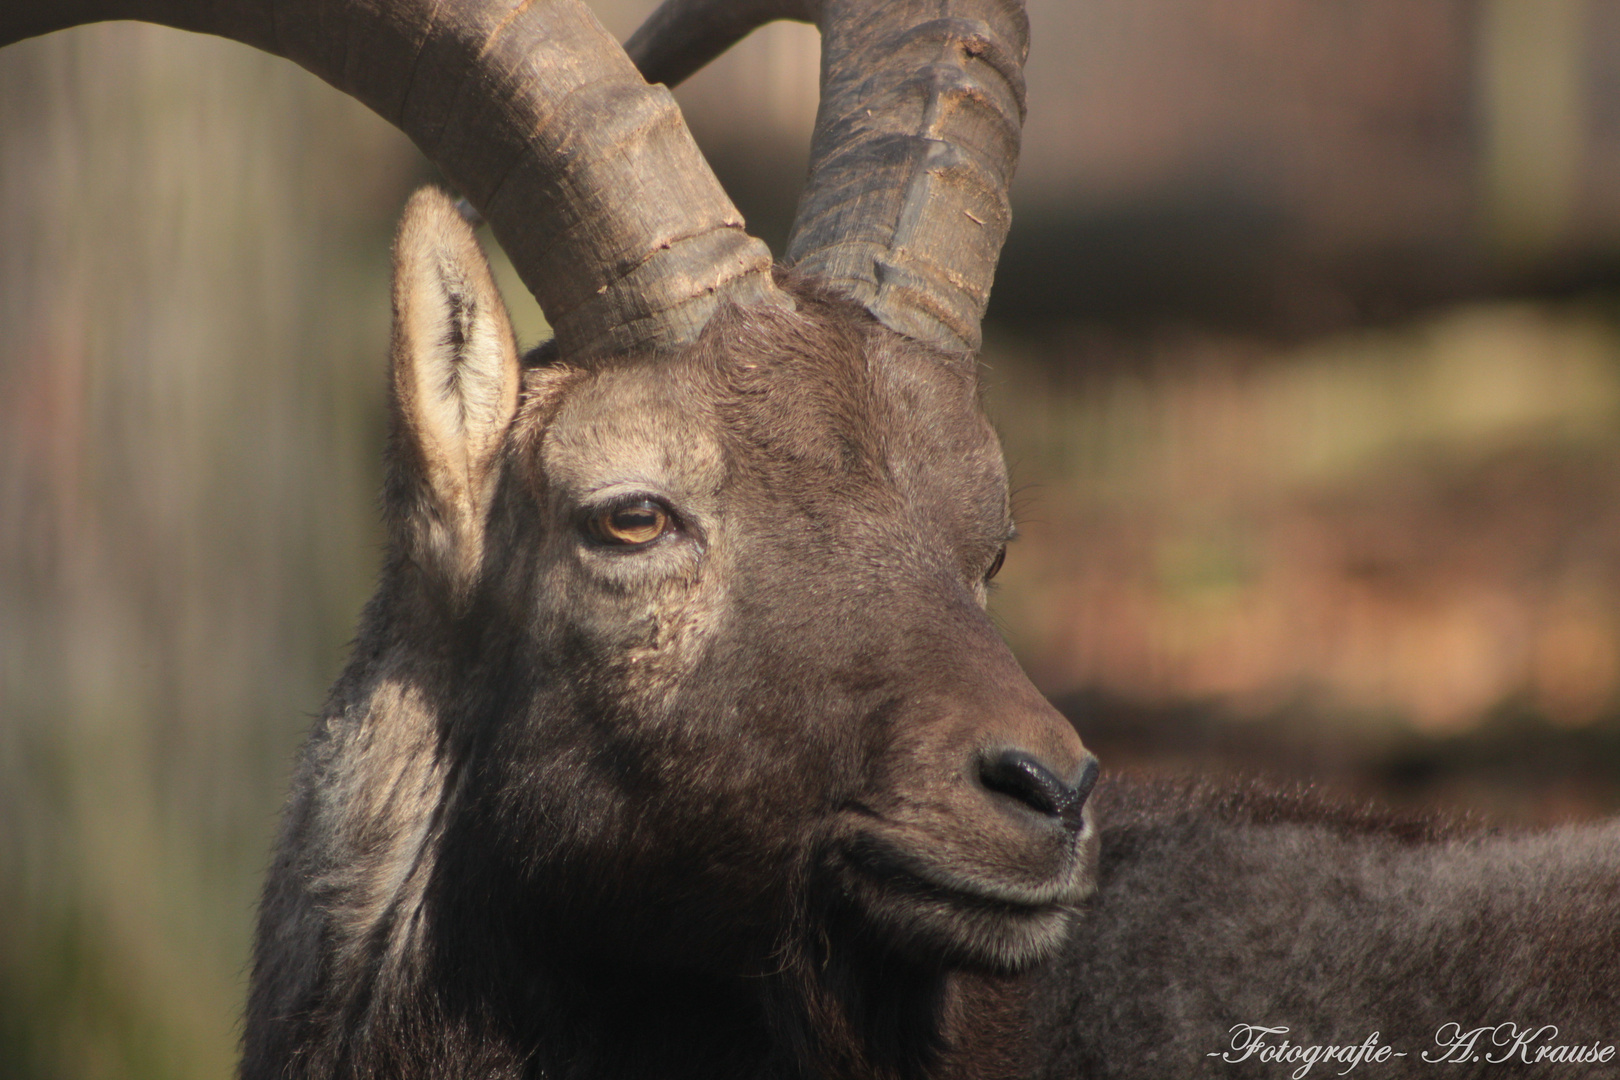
column 639, row 523
column 995, row 567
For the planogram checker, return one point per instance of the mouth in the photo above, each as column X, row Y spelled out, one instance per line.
column 946, row 907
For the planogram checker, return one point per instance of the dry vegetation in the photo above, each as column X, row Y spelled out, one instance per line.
column 1402, row 534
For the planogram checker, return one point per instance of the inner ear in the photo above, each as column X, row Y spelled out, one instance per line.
column 455, row 384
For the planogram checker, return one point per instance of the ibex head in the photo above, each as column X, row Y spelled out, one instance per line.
column 679, row 673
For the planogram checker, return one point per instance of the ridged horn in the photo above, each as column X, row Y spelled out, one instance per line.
column 587, row 174
column 916, row 139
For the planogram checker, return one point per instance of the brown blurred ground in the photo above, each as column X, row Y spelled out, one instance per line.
column 1257, row 533
column 1336, row 561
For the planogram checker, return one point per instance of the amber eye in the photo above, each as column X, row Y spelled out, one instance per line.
column 995, row 567
column 631, row 526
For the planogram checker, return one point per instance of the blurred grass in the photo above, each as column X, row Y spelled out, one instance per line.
column 193, row 240
column 1405, row 531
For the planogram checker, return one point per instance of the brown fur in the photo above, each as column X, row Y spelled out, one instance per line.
column 711, row 807
column 1227, row 905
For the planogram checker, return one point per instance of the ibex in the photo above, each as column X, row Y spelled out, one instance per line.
column 676, row 741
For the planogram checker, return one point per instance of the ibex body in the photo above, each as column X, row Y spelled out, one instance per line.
column 676, row 741
column 1222, row 912
column 678, row 690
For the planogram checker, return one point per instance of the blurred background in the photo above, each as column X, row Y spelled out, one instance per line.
column 1305, row 349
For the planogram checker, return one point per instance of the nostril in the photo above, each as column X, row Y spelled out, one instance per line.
column 1080, row 790
column 1018, row 775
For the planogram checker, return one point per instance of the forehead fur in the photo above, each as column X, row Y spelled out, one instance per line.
column 826, row 388
column 820, row 393
column 634, row 425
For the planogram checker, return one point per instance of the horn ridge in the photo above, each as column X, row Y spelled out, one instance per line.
column 916, row 139
column 587, row 175
column 915, row 145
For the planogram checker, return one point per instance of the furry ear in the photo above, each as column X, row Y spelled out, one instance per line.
column 455, row 391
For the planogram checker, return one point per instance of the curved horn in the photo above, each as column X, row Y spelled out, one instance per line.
column 922, row 103
column 681, row 36
column 587, row 175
